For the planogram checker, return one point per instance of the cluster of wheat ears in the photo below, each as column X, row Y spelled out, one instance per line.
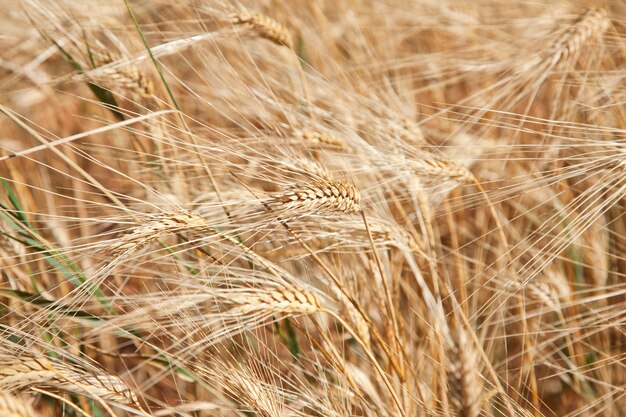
column 313, row 208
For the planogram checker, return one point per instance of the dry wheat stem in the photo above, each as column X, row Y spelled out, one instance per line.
column 373, row 360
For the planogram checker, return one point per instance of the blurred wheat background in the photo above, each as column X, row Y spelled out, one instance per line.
column 312, row 208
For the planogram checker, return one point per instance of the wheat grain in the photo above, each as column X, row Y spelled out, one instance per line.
column 20, row 372
column 407, row 130
column 99, row 385
column 102, row 57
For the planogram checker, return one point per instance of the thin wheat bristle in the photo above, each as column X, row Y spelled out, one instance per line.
column 266, row 27
column 463, row 375
column 323, row 195
column 11, row 406
column 157, row 227
column 591, row 24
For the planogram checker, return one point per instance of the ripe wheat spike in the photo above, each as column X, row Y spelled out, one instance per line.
column 590, row 25
column 266, row 27
column 325, row 195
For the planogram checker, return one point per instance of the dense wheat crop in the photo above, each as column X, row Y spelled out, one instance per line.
column 313, row 208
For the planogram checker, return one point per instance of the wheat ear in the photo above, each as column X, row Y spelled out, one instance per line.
column 128, row 78
column 591, row 24
column 463, row 375
column 441, row 169
column 22, row 372
column 325, row 140
column 325, row 195
column 11, row 406
column 157, row 227
column 286, row 300
column 265, row 27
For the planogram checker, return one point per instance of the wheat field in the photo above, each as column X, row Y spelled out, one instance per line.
column 313, row 208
